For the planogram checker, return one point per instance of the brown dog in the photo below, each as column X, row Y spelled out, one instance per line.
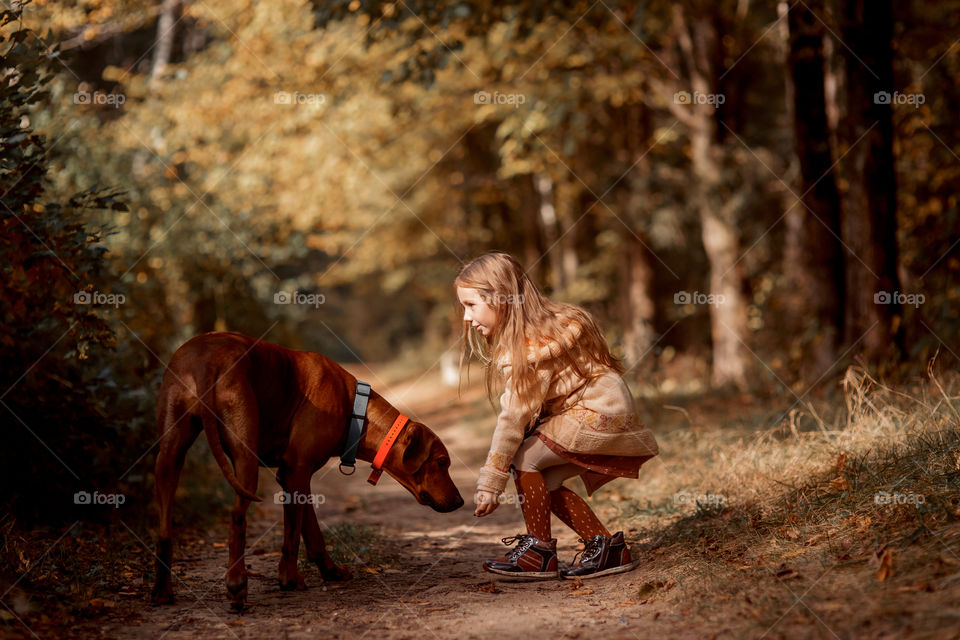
column 264, row 405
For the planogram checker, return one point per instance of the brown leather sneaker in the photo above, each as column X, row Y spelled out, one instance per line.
column 531, row 559
column 601, row 556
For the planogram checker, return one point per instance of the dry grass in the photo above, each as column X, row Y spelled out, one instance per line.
column 835, row 521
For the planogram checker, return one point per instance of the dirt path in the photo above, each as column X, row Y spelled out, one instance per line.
column 423, row 581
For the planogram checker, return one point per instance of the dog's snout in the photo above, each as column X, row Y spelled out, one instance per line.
column 444, row 505
column 450, row 505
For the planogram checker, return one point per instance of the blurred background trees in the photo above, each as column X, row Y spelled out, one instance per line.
column 723, row 184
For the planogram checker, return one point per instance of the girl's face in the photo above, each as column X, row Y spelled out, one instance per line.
column 476, row 311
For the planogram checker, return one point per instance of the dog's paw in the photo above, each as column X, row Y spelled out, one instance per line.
column 296, row 584
column 161, row 596
column 237, row 593
column 238, row 606
column 336, row 573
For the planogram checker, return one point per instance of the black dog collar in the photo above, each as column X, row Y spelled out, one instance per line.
column 355, row 428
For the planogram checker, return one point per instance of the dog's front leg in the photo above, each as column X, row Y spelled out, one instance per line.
column 317, row 549
column 296, row 485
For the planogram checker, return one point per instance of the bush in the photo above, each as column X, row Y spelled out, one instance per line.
column 69, row 424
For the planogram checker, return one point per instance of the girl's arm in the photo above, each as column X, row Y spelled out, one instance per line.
column 512, row 422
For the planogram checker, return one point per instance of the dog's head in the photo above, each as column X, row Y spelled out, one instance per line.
column 419, row 461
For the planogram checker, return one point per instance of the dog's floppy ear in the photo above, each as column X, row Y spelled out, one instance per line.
column 417, row 449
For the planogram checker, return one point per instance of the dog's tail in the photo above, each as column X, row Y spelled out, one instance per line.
column 211, row 427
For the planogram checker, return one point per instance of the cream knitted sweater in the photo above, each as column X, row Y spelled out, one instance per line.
column 592, row 417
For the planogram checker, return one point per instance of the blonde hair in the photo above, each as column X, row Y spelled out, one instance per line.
column 526, row 318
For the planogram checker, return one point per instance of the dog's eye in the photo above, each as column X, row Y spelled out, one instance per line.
column 443, row 463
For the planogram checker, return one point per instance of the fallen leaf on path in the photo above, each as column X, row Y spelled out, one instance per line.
column 948, row 560
column 787, row 574
column 650, row 588
column 489, row 588
column 841, row 463
column 100, row 603
column 627, row 603
column 369, row 570
column 886, row 565
column 815, row 539
column 577, row 588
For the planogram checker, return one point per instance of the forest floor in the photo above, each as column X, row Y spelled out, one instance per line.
column 782, row 558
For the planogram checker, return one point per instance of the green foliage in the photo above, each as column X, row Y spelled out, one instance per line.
column 381, row 189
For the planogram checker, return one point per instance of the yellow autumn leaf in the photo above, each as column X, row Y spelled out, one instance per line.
column 886, row 565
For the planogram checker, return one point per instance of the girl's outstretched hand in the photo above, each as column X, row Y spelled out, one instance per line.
column 486, row 503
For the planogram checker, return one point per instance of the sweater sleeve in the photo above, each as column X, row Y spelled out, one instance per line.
column 512, row 423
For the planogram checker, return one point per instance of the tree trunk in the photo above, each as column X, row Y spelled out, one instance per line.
column 165, row 35
column 869, row 222
column 636, row 278
column 567, row 196
column 638, row 306
column 728, row 317
column 548, row 223
column 527, row 207
column 813, row 256
column 831, row 89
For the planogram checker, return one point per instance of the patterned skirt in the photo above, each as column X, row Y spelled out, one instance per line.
column 598, row 470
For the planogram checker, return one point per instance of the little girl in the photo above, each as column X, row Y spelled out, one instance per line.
column 565, row 412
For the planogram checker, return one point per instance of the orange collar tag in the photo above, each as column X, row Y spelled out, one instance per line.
column 381, row 456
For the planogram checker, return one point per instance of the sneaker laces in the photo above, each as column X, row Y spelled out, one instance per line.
column 524, row 540
column 591, row 548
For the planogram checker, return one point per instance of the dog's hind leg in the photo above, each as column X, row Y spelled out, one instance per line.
column 240, row 417
column 316, row 548
column 177, row 432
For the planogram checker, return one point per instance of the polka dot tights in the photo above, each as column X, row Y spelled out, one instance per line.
column 576, row 514
column 538, row 503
